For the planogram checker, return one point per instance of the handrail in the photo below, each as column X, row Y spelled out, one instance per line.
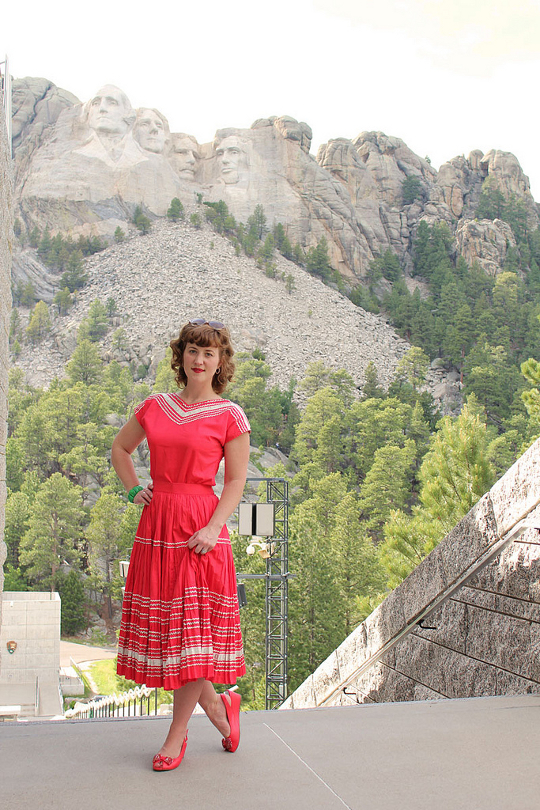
column 474, row 568
column 115, row 705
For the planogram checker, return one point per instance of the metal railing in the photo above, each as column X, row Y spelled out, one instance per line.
column 136, row 702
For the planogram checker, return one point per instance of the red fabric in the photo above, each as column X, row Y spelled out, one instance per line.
column 180, row 618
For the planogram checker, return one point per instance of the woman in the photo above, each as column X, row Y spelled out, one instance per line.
column 180, row 622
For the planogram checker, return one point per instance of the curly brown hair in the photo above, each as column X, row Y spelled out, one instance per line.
column 204, row 335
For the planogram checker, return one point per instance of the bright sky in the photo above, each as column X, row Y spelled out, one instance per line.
column 446, row 76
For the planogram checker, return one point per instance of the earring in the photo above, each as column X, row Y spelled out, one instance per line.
column 218, row 370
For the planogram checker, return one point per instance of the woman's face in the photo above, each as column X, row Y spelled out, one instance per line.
column 201, row 363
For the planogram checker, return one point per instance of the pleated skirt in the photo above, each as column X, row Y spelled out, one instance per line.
column 180, row 618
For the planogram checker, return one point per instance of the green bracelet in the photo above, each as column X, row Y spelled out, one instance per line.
column 133, row 492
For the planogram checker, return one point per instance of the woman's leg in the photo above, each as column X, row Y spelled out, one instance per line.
column 214, row 708
column 185, row 700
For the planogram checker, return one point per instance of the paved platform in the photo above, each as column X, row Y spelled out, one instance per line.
column 475, row 754
column 83, row 652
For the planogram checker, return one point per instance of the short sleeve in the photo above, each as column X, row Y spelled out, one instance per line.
column 237, row 423
column 141, row 409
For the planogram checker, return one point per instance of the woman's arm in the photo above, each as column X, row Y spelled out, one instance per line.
column 236, row 461
column 125, row 442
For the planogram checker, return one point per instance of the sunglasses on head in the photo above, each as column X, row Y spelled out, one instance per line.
column 202, row 322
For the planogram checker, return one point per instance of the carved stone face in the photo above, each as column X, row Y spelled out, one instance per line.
column 150, row 131
column 232, row 159
column 185, row 157
column 109, row 111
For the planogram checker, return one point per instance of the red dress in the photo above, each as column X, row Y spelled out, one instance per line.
column 180, row 618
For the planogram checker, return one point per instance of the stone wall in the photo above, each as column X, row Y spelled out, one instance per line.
column 32, row 620
column 29, row 677
column 6, row 246
column 465, row 623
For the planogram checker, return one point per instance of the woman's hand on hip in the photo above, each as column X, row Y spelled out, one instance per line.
column 203, row 540
column 145, row 495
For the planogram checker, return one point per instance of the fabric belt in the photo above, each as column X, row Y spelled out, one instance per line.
column 183, row 489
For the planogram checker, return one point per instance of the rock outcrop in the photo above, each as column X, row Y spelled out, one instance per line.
column 485, row 241
column 82, row 168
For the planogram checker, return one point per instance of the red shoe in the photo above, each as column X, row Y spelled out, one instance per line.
column 161, row 763
column 233, row 716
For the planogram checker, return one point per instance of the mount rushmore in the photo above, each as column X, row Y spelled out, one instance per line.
column 81, row 168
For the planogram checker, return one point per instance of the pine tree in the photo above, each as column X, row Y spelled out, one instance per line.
column 455, row 472
column 387, row 484
column 258, row 221
column 141, row 221
column 16, row 526
column 63, row 301
column 290, row 284
column 15, row 327
column 34, row 237
column 105, row 546
column 413, row 367
column 71, row 591
column 411, row 189
column 40, row 323
column 175, row 210
column 298, row 255
column 492, row 203
column 266, row 251
column 97, row 321
column 85, row 364
column 74, row 277
column 44, row 245
column 54, row 529
column 371, row 388
column 318, row 261
column 316, row 618
column 27, row 295
column 357, row 572
column 454, row 475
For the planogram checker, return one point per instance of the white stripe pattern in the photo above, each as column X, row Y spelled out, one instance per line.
column 181, row 412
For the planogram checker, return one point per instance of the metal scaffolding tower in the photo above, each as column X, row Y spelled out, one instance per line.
column 277, row 592
column 277, row 595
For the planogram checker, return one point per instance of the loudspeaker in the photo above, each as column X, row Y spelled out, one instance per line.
column 256, row 518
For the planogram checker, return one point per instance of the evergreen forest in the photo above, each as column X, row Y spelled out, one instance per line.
column 377, row 477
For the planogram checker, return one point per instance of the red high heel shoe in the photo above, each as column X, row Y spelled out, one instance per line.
column 161, row 763
column 232, row 742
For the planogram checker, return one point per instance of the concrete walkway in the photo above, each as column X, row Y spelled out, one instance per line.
column 476, row 754
column 82, row 652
